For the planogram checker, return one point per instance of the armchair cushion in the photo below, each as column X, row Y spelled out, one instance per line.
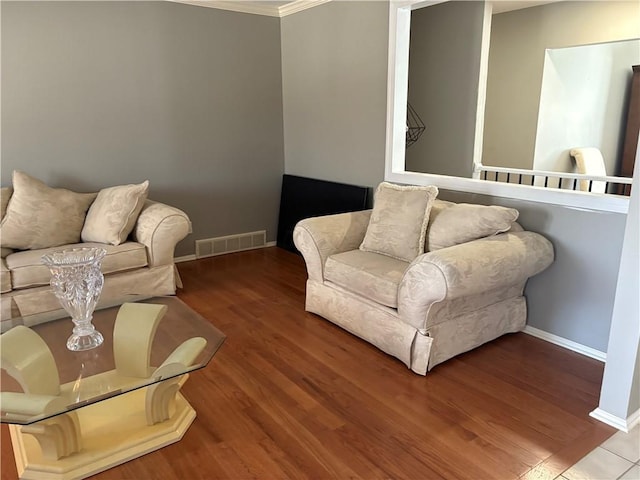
column 114, row 212
column 458, row 223
column 399, row 220
column 369, row 274
column 39, row 216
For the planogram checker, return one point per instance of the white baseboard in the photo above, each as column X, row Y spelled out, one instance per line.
column 623, row 424
column 184, row 258
column 633, row 420
column 568, row 344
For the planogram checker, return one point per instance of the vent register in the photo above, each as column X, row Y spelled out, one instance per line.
column 209, row 247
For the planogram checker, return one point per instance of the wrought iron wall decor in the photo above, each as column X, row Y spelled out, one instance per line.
column 415, row 126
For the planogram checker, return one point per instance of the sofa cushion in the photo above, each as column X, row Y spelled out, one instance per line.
column 114, row 212
column 5, row 277
column 398, row 222
column 369, row 274
column 463, row 222
column 39, row 216
column 5, row 196
column 27, row 269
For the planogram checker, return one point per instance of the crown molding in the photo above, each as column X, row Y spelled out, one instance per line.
column 299, row 6
column 256, row 8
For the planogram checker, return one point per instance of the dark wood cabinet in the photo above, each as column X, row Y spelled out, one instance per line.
column 630, row 145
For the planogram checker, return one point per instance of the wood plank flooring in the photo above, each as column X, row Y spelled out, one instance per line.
column 290, row 395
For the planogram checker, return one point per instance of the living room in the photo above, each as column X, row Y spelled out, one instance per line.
column 214, row 106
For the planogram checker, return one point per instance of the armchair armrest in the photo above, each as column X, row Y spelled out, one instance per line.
column 470, row 268
column 319, row 237
column 160, row 228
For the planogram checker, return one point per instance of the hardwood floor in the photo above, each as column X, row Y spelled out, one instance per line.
column 290, row 395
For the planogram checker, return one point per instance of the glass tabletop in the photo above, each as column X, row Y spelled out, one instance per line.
column 147, row 344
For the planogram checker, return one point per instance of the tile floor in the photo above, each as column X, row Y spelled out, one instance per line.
column 618, row 458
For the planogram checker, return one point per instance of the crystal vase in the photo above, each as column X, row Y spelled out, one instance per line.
column 76, row 280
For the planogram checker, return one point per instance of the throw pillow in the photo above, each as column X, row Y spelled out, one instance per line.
column 463, row 222
column 113, row 215
column 39, row 216
column 398, row 223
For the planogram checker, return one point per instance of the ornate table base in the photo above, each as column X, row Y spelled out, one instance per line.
column 110, row 433
column 90, row 426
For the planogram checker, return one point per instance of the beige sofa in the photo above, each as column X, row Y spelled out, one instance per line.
column 465, row 290
column 141, row 264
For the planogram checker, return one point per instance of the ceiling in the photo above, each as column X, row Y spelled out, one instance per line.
column 281, row 8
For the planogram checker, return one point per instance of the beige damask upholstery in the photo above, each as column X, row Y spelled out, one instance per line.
column 139, row 235
column 395, row 209
column 445, row 302
column 32, row 201
column 454, row 224
column 372, row 275
column 27, row 269
column 113, row 213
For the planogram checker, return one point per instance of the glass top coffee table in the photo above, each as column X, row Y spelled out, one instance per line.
column 74, row 414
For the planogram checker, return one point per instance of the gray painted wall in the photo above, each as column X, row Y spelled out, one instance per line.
column 334, row 75
column 444, row 66
column 96, row 94
column 516, row 58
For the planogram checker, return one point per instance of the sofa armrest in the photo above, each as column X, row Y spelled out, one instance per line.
column 160, row 228
column 468, row 269
column 318, row 238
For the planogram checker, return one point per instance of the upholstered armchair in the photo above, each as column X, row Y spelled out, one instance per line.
column 458, row 285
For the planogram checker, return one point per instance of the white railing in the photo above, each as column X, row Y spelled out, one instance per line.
column 561, row 180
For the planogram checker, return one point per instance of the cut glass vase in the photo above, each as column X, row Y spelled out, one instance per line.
column 77, row 280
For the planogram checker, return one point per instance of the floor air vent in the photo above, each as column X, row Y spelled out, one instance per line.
column 208, row 247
